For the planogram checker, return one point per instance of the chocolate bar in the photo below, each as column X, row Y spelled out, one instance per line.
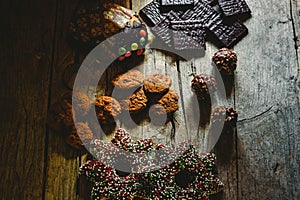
column 151, row 13
column 188, row 34
column 228, row 35
column 162, row 29
column 176, row 2
column 175, row 5
column 234, row 7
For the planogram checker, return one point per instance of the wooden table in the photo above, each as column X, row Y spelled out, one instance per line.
column 260, row 161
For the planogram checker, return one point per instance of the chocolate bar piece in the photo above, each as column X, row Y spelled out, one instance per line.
column 234, row 7
column 188, row 34
column 228, row 35
column 176, row 2
column 162, row 29
column 151, row 13
column 200, row 11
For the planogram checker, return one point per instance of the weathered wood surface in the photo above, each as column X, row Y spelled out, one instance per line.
column 261, row 160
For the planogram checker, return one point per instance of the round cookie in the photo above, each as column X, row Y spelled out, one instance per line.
column 80, row 102
column 80, row 135
column 225, row 60
column 136, row 102
column 131, row 79
column 157, row 83
column 60, row 116
column 168, row 104
column 106, row 109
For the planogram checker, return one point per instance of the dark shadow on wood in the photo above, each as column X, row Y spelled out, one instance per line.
column 225, row 147
column 205, row 111
column 229, row 84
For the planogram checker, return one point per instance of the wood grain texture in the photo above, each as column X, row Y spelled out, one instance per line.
column 260, row 160
column 266, row 98
column 27, row 32
column 63, row 162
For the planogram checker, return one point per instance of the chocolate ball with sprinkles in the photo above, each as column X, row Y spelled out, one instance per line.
column 226, row 115
column 226, row 61
column 203, row 86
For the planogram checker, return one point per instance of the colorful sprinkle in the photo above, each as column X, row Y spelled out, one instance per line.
column 142, row 41
column 122, row 51
column 128, row 54
column 134, row 46
column 189, row 177
column 143, row 33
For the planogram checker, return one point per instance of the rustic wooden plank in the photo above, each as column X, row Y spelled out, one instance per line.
column 62, row 161
column 26, row 34
column 266, row 98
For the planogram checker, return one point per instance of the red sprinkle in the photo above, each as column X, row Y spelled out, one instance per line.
column 121, row 58
column 140, row 52
column 143, row 33
column 128, row 54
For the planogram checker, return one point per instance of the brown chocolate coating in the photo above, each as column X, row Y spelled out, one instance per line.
column 106, row 109
column 203, row 85
column 80, row 135
column 136, row 102
column 157, row 83
column 225, row 60
column 168, row 104
column 131, row 79
column 225, row 114
column 60, row 116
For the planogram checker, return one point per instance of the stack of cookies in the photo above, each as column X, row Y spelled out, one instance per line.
column 134, row 94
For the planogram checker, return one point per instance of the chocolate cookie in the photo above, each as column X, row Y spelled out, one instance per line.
column 157, row 83
column 80, row 102
column 225, row 60
column 79, row 136
column 136, row 103
column 131, row 79
column 168, row 104
column 60, row 116
column 106, row 109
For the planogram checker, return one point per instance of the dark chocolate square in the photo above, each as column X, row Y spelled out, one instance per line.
column 162, row 29
column 227, row 34
column 188, row 34
column 151, row 13
column 234, row 7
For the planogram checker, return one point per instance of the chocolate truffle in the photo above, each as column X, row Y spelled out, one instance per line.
column 106, row 109
column 225, row 60
column 225, row 114
column 80, row 135
column 203, row 85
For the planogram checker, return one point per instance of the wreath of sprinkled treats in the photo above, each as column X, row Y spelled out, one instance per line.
column 107, row 183
column 189, row 176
